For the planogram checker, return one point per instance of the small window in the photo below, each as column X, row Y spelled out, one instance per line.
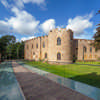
column 43, row 44
column 32, row 45
column 58, row 56
column 45, row 55
column 90, row 49
column 36, row 45
column 58, row 41
column 85, row 49
column 33, row 53
column 27, row 46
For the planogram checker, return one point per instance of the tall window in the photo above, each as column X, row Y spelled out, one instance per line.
column 85, row 49
column 45, row 55
column 33, row 53
column 90, row 49
column 58, row 56
column 58, row 41
column 32, row 45
column 36, row 45
column 43, row 44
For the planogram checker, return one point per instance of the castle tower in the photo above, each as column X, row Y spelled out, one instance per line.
column 60, row 46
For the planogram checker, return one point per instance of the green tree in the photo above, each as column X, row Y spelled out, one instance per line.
column 21, row 50
column 10, row 48
column 5, row 41
column 16, row 50
column 97, row 36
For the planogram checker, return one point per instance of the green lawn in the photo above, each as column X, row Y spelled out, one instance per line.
column 84, row 73
column 92, row 62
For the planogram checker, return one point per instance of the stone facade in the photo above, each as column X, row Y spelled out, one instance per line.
column 84, row 50
column 59, row 47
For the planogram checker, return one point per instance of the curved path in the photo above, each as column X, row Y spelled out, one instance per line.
column 36, row 87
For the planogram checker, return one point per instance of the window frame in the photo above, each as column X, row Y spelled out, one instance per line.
column 91, row 49
column 85, row 49
column 32, row 46
column 37, row 45
column 46, row 56
column 58, row 41
column 58, row 56
column 43, row 44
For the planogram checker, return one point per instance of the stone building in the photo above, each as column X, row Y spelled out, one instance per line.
column 59, row 46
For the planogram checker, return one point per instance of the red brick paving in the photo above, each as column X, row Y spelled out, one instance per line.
column 36, row 87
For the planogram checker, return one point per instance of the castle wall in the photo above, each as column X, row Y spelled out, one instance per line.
column 44, row 48
column 65, row 49
column 88, row 55
column 48, row 49
column 32, row 52
column 35, row 51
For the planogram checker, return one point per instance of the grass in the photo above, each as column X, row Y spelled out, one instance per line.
column 83, row 73
column 92, row 62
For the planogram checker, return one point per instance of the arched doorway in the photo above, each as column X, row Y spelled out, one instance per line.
column 58, row 56
column 33, row 55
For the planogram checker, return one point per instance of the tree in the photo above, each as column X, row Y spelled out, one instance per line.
column 97, row 36
column 5, row 41
column 21, row 50
column 10, row 48
column 16, row 50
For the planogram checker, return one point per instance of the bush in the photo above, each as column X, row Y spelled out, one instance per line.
column 74, row 59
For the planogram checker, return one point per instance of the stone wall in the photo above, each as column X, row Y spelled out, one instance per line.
column 45, row 48
column 90, row 54
column 65, row 49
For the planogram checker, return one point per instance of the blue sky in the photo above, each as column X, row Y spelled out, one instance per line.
column 29, row 18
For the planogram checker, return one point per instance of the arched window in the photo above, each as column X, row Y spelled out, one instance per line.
column 45, row 55
column 58, row 56
column 32, row 45
column 33, row 53
column 58, row 41
column 43, row 44
column 85, row 49
column 36, row 45
column 90, row 49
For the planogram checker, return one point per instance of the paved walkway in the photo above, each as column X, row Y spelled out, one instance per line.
column 36, row 87
column 9, row 87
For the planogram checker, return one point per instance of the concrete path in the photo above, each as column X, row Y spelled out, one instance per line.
column 36, row 87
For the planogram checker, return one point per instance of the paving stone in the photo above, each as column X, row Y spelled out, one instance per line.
column 36, row 87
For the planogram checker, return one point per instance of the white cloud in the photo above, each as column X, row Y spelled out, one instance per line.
column 28, row 38
column 34, row 1
column 20, row 3
column 94, row 31
column 79, row 24
column 4, row 27
column 48, row 25
column 22, row 22
column 5, row 3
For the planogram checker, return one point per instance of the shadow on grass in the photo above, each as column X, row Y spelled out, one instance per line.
column 90, row 79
